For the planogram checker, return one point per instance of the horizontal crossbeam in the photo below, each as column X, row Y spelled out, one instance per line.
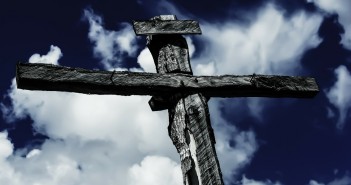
column 57, row 78
column 154, row 27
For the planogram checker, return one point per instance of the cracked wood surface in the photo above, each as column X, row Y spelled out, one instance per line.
column 189, row 122
column 157, row 26
column 57, row 78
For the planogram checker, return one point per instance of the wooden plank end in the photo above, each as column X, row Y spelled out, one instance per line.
column 157, row 27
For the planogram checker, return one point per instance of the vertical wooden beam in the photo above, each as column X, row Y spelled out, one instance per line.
column 189, row 122
column 170, row 52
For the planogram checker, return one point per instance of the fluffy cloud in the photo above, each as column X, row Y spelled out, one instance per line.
column 153, row 167
column 6, row 148
column 146, row 61
column 51, row 58
column 342, row 8
column 18, row 111
column 110, row 46
column 271, row 44
column 6, row 172
column 72, row 161
column 339, row 94
column 231, row 158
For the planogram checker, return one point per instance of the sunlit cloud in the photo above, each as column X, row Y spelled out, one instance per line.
column 339, row 94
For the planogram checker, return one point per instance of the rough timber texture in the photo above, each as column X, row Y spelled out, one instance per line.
column 157, row 26
column 189, row 126
column 58, row 78
column 170, row 49
column 170, row 54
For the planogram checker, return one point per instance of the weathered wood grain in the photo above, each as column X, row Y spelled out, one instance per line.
column 201, row 132
column 187, row 112
column 156, row 27
column 171, row 50
column 58, row 78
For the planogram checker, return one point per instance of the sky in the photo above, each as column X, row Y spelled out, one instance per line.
column 62, row 138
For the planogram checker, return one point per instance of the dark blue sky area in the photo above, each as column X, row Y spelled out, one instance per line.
column 297, row 140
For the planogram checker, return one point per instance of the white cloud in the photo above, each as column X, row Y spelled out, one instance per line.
column 231, row 158
column 51, row 58
column 339, row 94
column 110, row 46
column 7, row 174
column 6, row 148
column 72, row 161
column 33, row 153
column 246, row 181
column 271, row 44
column 191, row 46
column 92, row 117
column 342, row 8
column 149, row 171
column 146, row 61
column 206, row 69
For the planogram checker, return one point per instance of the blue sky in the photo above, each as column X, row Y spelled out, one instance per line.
column 68, row 138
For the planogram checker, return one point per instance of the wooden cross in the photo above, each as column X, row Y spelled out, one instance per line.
column 173, row 88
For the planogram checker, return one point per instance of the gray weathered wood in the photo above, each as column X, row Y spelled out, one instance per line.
column 58, row 78
column 170, row 49
column 201, row 132
column 189, row 126
column 154, row 27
